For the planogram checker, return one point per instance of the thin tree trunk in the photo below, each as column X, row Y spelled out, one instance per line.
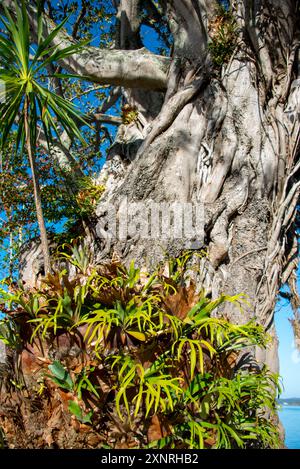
column 20, row 242
column 37, row 193
column 11, row 253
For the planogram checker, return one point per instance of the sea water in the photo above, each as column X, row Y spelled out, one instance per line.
column 290, row 419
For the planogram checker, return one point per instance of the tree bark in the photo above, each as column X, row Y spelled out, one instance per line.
column 227, row 138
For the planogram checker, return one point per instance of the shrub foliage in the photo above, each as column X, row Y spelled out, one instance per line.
column 140, row 359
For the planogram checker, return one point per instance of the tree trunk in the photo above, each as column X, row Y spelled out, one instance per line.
column 227, row 138
column 217, row 127
column 37, row 192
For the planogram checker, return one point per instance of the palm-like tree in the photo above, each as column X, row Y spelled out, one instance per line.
column 27, row 104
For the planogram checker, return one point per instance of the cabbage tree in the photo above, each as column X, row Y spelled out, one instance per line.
column 28, row 105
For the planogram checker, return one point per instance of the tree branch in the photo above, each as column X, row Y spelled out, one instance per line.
column 172, row 108
column 79, row 18
column 154, row 21
column 111, row 99
column 100, row 117
column 128, row 68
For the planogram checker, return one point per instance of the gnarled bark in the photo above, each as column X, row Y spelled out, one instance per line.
column 231, row 143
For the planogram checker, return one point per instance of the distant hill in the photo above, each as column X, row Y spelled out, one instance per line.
column 289, row 401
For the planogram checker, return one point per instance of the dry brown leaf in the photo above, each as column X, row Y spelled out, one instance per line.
column 157, row 429
column 180, row 303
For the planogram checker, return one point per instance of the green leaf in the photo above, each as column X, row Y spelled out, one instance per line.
column 61, row 375
column 87, row 417
column 137, row 335
column 75, row 409
column 57, row 369
column 43, row 46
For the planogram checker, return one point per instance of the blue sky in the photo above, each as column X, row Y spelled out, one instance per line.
column 289, row 357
